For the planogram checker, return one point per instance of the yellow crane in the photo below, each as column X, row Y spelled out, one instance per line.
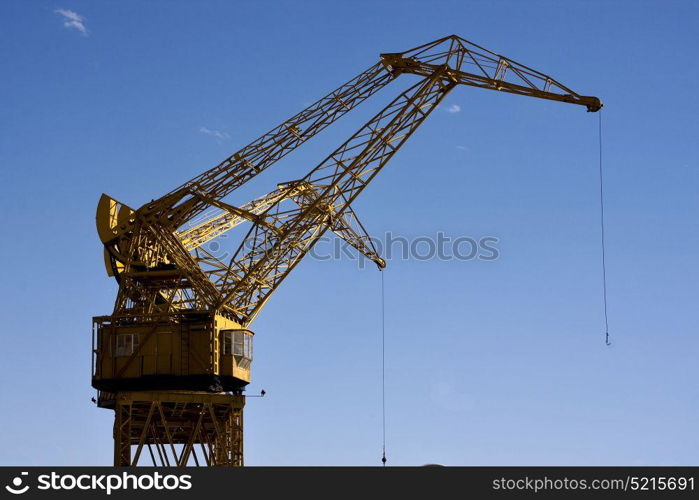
column 173, row 358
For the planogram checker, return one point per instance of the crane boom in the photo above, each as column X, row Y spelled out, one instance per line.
column 489, row 71
column 276, row 247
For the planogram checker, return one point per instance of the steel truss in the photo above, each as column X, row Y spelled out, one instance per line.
column 178, row 428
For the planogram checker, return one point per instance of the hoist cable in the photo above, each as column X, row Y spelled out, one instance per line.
column 604, row 258
column 383, row 368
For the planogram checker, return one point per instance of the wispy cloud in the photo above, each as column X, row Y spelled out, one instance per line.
column 454, row 108
column 72, row 20
column 215, row 133
column 463, row 148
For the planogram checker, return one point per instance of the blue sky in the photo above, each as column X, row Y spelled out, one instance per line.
column 488, row 363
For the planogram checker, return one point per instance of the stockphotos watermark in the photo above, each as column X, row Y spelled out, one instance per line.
column 438, row 246
column 106, row 483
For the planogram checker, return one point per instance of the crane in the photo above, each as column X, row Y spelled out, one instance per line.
column 174, row 357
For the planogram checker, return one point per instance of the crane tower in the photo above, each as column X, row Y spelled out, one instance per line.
column 174, row 357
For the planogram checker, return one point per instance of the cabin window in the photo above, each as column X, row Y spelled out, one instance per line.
column 125, row 344
column 227, row 339
column 238, row 343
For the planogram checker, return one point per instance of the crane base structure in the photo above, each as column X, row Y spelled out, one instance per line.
column 174, row 357
column 177, row 428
